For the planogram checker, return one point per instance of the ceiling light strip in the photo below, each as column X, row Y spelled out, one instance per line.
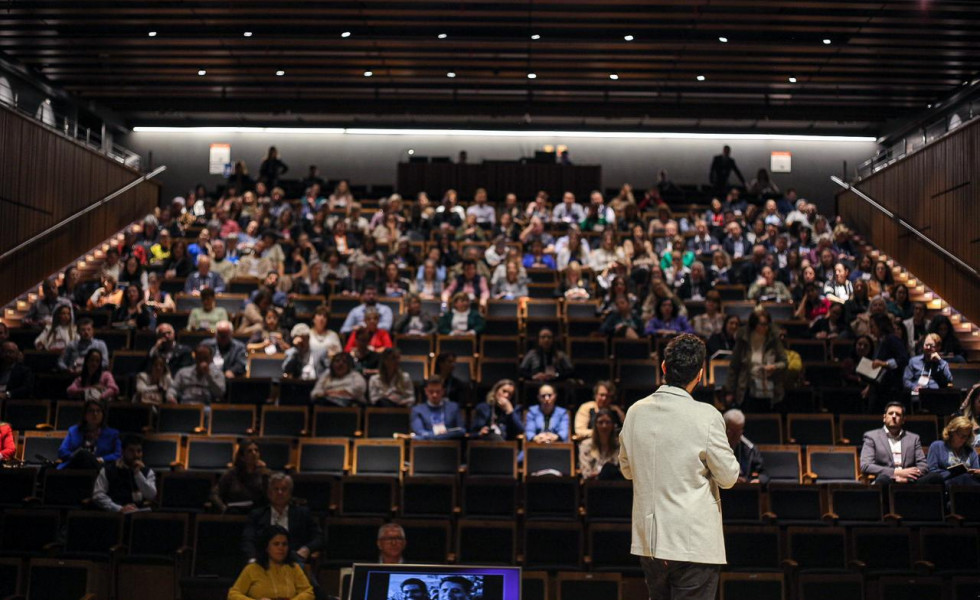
column 507, row 133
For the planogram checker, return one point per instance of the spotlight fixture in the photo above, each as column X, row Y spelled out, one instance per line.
column 152, row 34
column 442, row 36
column 535, row 36
column 701, row 78
column 792, row 79
column 532, row 75
column 280, row 73
column 202, row 72
column 628, row 38
column 345, row 34
column 723, row 40
column 613, row 76
column 247, row 34
column 451, row 74
column 368, row 73
column 827, row 41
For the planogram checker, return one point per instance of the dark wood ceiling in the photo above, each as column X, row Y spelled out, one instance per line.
column 884, row 61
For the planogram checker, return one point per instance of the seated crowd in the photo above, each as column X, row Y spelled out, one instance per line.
column 426, row 269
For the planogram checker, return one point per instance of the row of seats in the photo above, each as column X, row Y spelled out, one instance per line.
column 763, row 561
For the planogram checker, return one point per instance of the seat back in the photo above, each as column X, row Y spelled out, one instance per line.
column 129, row 418
column 485, row 542
column 763, row 428
column 839, row 587
column 231, row 419
column 920, row 503
column 185, row 490
column 882, row 548
column 92, row 534
column 325, row 455
column 607, row 500
column 385, row 422
column 832, row 463
column 494, row 459
column 550, row 497
column 27, row 415
column 434, row 457
column 157, row 534
column 795, row 502
column 431, row 541
column 67, row 488
column 589, row 586
column 27, row 532
column 217, row 547
column 334, row 421
column 180, row 418
column 856, row 503
column 378, row 457
column 558, row 457
column 783, row 463
column 752, row 548
column 806, row 429
column 817, row 548
column 290, row 421
column 41, row 446
column 209, row 454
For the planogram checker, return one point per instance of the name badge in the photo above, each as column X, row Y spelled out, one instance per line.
column 439, row 428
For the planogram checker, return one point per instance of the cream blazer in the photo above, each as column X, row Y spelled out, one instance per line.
column 675, row 451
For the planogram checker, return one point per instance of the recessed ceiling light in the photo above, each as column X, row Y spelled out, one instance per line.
column 247, row 34
column 613, row 76
column 345, row 34
column 827, row 41
column 450, row 74
column 723, row 40
column 152, row 34
column 411, row 151
column 792, row 79
column 202, row 72
column 532, row 75
column 442, row 36
column 535, row 36
column 628, row 38
column 280, row 73
column 700, row 77
column 368, row 73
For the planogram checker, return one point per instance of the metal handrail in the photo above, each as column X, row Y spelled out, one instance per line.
column 84, row 211
column 894, row 217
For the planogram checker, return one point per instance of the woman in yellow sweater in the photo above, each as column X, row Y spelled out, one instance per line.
column 273, row 575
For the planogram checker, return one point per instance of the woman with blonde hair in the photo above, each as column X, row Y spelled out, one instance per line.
column 952, row 460
column 499, row 418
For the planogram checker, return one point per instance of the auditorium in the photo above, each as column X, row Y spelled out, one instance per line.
column 368, row 300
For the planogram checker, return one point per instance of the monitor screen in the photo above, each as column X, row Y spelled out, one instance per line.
column 434, row 582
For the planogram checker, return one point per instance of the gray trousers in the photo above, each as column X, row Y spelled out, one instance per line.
column 677, row 580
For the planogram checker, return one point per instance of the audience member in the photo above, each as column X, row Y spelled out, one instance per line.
column 499, row 418
column 157, row 299
column 132, row 312
column 603, row 398
column 751, row 468
column 42, row 311
column 200, row 383
column 244, row 485
column 461, row 318
column 8, row 442
column 892, row 454
column 950, row 348
column 275, row 573
column 379, row 338
column 598, row 454
column 391, row 386
column 94, row 381
column 545, row 362
column 59, row 332
column 891, row 355
column 414, row 321
column 301, row 361
column 269, row 339
column 927, row 370
column 323, row 340
column 90, row 443
column 340, row 384
column 546, row 422
column 970, row 408
column 74, row 354
column 153, row 383
column 126, row 484
column 438, row 417
column 369, row 299
column 305, row 536
column 391, row 545
column 177, row 355
column 622, row 322
column 666, row 320
column 208, row 315
column 952, row 460
column 230, row 355
column 757, row 367
column 108, row 296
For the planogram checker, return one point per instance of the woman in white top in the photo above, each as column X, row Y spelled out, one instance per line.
column 391, row 386
column 59, row 332
column 323, row 341
column 152, row 385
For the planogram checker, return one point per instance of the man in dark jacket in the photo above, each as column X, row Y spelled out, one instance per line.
column 305, row 536
column 722, row 166
column 750, row 466
column 125, row 485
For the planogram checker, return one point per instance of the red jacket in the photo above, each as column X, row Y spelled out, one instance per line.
column 379, row 341
column 8, row 442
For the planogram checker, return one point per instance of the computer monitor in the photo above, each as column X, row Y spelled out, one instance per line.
column 423, row 582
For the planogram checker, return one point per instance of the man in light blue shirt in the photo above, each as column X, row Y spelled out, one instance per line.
column 369, row 299
column 73, row 356
column 568, row 211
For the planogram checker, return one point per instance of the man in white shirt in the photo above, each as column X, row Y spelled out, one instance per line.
column 568, row 211
column 485, row 215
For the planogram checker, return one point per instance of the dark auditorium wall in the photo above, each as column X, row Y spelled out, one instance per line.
column 44, row 178
column 372, row 159
column 936, row 191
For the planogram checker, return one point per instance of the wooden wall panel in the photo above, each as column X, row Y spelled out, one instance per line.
column 936, row 190
column 45, row 178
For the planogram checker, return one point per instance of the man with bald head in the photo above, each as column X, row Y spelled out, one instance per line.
column 204, row 277
column 230, row 355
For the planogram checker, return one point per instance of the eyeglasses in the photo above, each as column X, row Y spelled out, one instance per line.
column 545, row 395
column 391, row 539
